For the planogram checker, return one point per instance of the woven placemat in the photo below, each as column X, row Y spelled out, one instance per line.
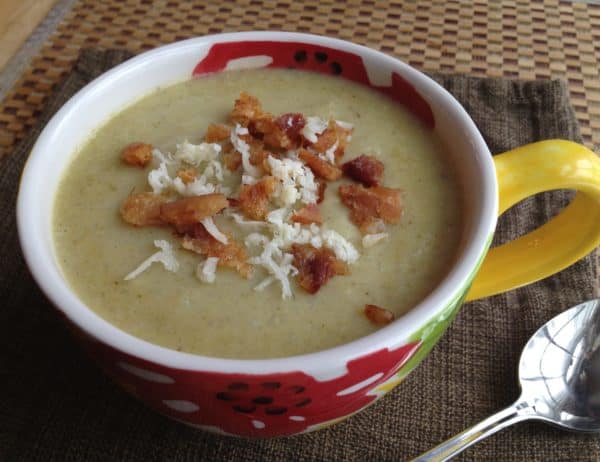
column 55, row 405
column 514, row 39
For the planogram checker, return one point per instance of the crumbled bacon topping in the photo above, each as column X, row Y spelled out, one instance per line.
column 143, row 209
column 369, row 206
column 231, row 158
column 276, row 155
column 285, row 131
column 193, row 209
column 216, row 133
column 254, row 198
column 187, row 175
column 321, row 191
column 365, row 169
column 137, row 154
column 292, row 124
column 378, row 315
column 316, row 266
column 333, row 134
column 231, row 255
column 258, row 153
column 320, row 167
column 282, row 132
column 246, row 109
column 308, row 214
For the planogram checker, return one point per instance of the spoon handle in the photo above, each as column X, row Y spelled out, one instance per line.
column 445, row 451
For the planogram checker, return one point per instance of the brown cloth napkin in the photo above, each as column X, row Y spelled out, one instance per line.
column 56, row 405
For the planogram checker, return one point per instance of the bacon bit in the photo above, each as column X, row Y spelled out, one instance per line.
column 254, row 198
column 321, row 192
column 142, row 209
column 275, row 132
column 258, row 154
column 365, row 169
column 216, row 133
column 231, row 255
column 308, row 214
column 191, row 210
column 231, row 158
column 316, row 266
column 246, row 109
column 187, row 175
column 377, row 315
column 332, row 134
column 137, row 154
column 320, row 167
column 259, row 157
column 368, row 206
column 291, row 124
column 284, row 131
column 233, row 202
column 263, row 123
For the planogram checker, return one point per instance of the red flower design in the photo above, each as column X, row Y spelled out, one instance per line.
column 254, row 405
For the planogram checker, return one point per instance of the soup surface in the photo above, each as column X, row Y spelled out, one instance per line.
column 229, row 318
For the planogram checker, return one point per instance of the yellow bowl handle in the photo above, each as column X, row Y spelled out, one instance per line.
column 572, row 234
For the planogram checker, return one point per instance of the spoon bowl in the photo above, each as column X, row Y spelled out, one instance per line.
column 559, row 374
column 559, row 370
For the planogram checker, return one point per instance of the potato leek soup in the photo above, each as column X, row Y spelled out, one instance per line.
column 257, row 214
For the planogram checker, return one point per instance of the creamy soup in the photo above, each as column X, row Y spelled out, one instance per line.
column 229, row 318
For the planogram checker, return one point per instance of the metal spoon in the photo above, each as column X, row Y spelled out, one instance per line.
column 559, row 373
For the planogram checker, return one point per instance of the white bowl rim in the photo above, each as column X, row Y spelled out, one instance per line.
column 59, row 293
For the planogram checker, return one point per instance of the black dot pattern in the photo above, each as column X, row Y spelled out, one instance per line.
column 225, row 396
column 244, row 409
column 336, row 68
column 304, row 402
column 276, row 410
column 321, row 56
column 300, row 56
column 267, row 398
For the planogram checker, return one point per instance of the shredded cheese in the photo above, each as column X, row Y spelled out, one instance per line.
column 278, row 216
column 159, row 157
column 240, row 220
column 211, row 228
column 369, row 240
column 342, row 248
column 248, row 179
column 195, row 154
column 344, row 125
column 164, row 255
column 242, row 147
column 266, row 282
column 215, row 170
column 206, row 271
column 329, row 155
column 297, row 181
column 314, row 126
column 198, row 187
column 159, row 178
column 278, row 264
column 256, row 239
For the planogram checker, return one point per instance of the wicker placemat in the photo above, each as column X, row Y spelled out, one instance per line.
column 520, row 39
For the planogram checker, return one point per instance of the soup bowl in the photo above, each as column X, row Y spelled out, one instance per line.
column 291, row 395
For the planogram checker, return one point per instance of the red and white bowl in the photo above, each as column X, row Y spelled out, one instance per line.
column 258, row 397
